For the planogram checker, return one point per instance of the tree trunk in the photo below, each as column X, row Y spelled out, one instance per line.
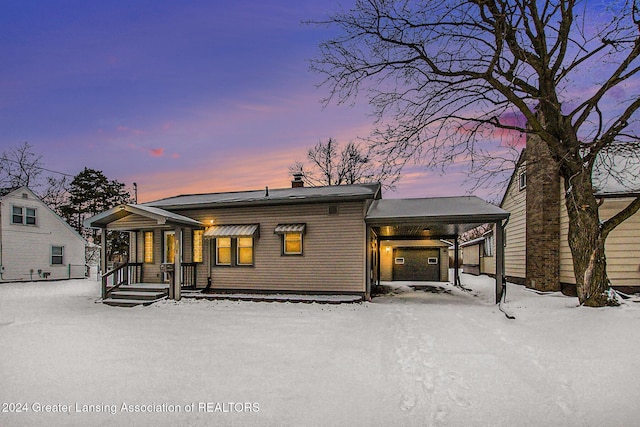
column 586, row 241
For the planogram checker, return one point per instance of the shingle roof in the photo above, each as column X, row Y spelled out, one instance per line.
column 331, row 193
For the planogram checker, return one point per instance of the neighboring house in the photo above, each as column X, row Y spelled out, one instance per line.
column 35, row 242
column 332, row 239
column 478, row 255
column 537, row 252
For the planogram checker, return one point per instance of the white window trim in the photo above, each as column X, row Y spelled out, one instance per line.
column 284, row 244
column 51, row 255
column 522, row 181
column 24, row 216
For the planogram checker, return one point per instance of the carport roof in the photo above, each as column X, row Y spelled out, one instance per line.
column 437, row 216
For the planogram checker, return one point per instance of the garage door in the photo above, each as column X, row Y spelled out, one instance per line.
column 421, row 264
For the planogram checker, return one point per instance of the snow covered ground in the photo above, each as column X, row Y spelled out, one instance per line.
column 412, row 358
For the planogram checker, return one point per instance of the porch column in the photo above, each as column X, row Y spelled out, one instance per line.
column 177, row 274
column 367, row 275
column 103, row 250
column 499, row 260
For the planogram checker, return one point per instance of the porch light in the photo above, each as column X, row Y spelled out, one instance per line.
column 387, row 249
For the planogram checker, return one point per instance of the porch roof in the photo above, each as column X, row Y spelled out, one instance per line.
column 161, row 216
column 436, row 217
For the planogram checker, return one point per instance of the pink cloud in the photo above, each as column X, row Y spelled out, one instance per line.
column 157, row 152
column 122, row 128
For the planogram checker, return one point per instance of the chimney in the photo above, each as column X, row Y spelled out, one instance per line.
column 543, row 200
column 297, row 180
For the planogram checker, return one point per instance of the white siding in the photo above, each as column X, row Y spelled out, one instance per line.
column 26, row 249
column 515, row 251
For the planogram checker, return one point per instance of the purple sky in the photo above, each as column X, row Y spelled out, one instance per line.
column 180, row 97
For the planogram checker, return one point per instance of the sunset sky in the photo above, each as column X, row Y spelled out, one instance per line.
column 180, row 97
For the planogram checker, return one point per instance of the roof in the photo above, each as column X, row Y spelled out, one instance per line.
column 439, row 215
column 618, row 174
column 472, row 242
column 160, row 215
column 6, row 191
column 331, row 193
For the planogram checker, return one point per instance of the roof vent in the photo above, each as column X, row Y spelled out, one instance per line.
column 266, row 191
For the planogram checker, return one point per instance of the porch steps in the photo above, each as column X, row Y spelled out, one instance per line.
column 137, row 294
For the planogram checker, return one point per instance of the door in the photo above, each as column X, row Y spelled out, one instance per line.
column 419, row 264
column 169, row 252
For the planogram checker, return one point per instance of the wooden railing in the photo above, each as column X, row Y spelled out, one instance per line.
column 188, row 274
column 123, row 274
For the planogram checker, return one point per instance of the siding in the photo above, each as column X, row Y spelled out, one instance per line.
column 334, row 249
column 26, row 247
column 515, row 251
column 622, row 246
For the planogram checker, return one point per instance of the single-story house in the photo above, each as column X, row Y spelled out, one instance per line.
column 478, row 255
column 35, row 242
column 318, row 240
column 537, row 252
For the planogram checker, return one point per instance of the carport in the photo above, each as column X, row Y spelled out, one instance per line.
column 432, row 218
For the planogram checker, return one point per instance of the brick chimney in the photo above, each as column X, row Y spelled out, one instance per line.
column 543, row 217
column 297, row 180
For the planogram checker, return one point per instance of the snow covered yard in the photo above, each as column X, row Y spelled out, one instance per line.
column 412, row 358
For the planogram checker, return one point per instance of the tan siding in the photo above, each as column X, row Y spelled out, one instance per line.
column 566, row 260
column 622, row 246
column 333, row 258
column 515, row 251
column 133, row 222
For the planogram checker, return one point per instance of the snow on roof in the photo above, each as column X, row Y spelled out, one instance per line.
column 617, row 174
column 271, row 196
column 463, row 209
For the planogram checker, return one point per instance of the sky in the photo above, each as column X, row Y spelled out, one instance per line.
column 179, row 97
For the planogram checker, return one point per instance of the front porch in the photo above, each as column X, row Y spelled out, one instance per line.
column 125, row 284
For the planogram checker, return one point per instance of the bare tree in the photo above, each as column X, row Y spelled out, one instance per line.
column 20, row 166
column 444, row 78
column 330, row 165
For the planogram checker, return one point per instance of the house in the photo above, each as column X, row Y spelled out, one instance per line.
column 537, row 252
column 35, row 242
column 478, row 255
column 317, row 240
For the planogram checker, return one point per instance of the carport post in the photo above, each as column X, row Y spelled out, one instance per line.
column 499, row 260
column 456, row 261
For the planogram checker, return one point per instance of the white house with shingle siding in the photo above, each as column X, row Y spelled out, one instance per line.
column 35, row 242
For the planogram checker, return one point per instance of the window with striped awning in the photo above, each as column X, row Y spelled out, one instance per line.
column 245, row 230
column 290, row 228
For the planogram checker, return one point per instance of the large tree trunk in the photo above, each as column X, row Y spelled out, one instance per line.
column 586, row 240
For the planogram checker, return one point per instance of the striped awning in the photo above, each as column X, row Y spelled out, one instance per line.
column 290, row 228
column 245, row 230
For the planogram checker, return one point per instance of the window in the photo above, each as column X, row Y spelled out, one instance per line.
column 22, row 215
column 234, row 251
column 522, row 181
column 292, row 243
column 223, row 251
column 148, row 247
column 17, row 215
column 197, row 245
column 488, row 245
column 245, row 250
column 57, row 255
column 30, row 217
